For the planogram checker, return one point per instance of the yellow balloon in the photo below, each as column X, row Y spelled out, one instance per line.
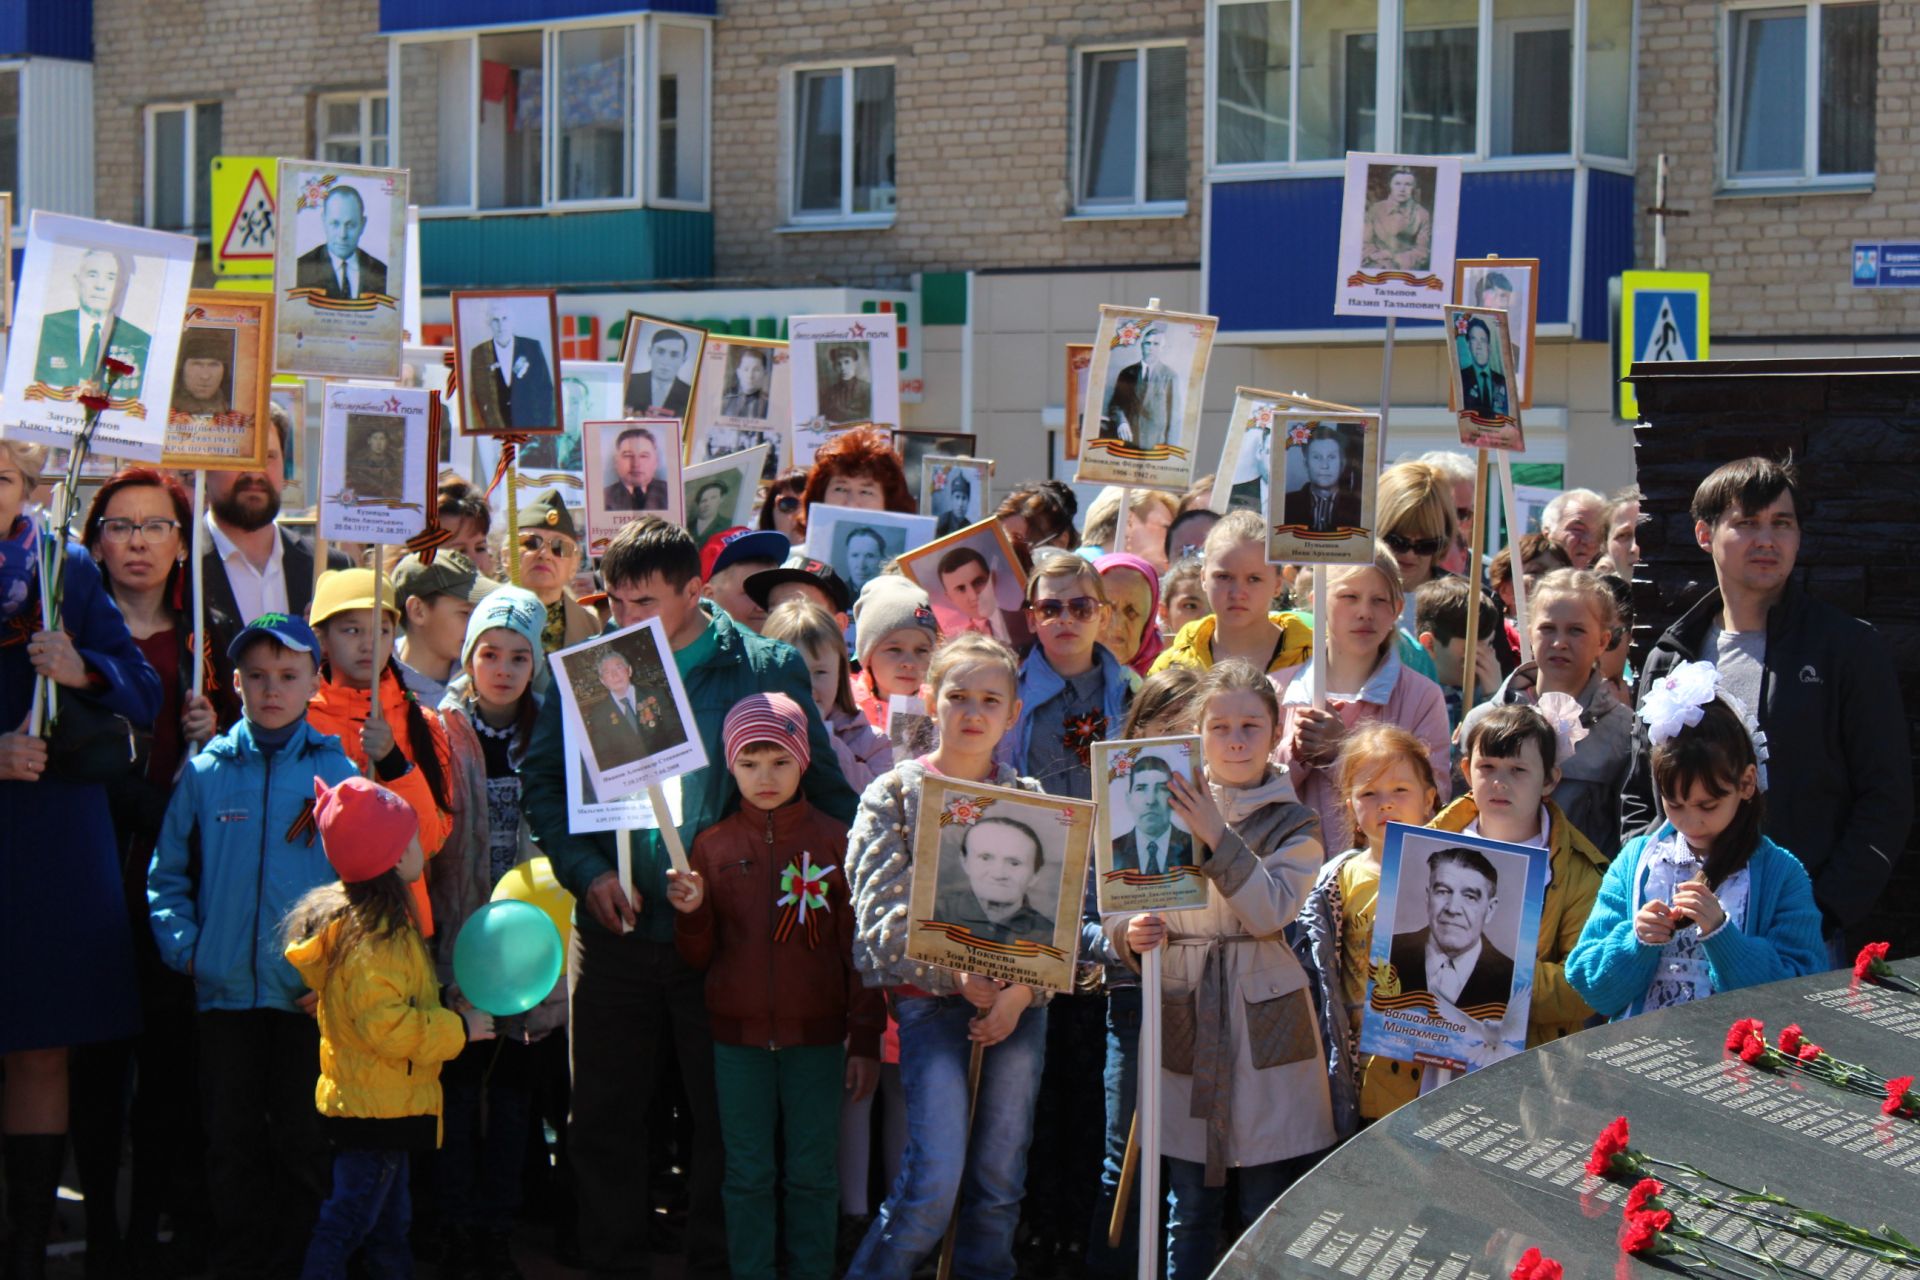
column 533, row 881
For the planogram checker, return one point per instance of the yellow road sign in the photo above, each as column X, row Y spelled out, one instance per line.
column 1663, row 316
column 244, row 218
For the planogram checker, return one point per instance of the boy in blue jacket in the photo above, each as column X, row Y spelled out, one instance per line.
column 236, row 851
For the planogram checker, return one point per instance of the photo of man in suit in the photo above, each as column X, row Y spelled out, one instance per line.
column 74, row 341
column 967, row 580
column 509, row 382
column 1155, row 845
column 660, row 392
column 203, row 384
column 1323, row 504
column 1483, row 388
column 747, row 384
column 1002, row 859
column 1147, row 396
column 845, row 396
column 1452, row 957
column 618, row 727
column 339, row 265
column 636, row 485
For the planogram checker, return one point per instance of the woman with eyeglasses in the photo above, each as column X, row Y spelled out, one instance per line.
column 858, row 469
column 549, row 559
column 1040, row 514
column 1414, row 513
column 783, row 510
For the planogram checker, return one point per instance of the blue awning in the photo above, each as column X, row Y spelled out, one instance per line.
column 401, row 16
column 47, row 29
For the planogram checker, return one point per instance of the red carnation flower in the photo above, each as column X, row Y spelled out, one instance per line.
column 1897, row 1103
column 119, row 368
column 1641, row 1232
column 1643, row 1194
column 1753, row 1050
column 1534, row 1265
column 1790, row 1039
column 1739, row 1031
column 1870, row 955
column 1809, row 1051
column 94, row 404
column 1611, row 1142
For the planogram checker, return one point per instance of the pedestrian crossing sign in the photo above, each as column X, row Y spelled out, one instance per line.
column 243, row 214
column 1663, row 316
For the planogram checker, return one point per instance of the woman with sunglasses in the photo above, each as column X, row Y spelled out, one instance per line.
column 549, row 558
column 1414, row 513
column 782, row 510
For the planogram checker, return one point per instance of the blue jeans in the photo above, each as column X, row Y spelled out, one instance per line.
column 1193, row 1209
column 987, row 1174
column 369, row 1210
column 1123, row 1091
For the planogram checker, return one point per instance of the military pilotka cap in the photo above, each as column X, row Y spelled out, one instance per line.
column 549, row 511
column 450, row 574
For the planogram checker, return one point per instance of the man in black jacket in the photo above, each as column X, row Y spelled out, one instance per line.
column 1822, row 684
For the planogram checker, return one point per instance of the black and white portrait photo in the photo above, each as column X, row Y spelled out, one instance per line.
column 742, row 399
column 376, row 477
column 662, row 360
column 1142, row 423
column 508, row 342
column 376, row 464
column 846, row 369
column 1143, row 845
column 339, row 270
column 1328, row 499
column 749, row 382
column 954, row 491
column 916, row 447
column 1326, row 471
column 721, row 493
column 858, row 543
column 1509, row 285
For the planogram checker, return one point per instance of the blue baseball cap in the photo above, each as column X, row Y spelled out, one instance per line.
column 284, row 629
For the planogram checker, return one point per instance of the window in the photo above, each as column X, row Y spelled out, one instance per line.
column 182, row 141
column 1439, row 77
column 1801, row 82
column 1532, row 65
column 680, row 114
column 843, row 143
column 1131, row 135
column 352, row 128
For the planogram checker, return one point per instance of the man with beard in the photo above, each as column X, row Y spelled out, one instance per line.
column 252, row 566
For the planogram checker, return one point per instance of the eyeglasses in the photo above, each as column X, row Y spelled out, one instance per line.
column 116, row 529
column 787, row 504
column 533, row 543
column 1080, row 608
column 1419, row 546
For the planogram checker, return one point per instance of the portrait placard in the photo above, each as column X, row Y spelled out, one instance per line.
column 1511, row 285
column 586, row 811
column 661, row 361
column 590, row 391
column 339, row 270
column 1141, row 421
column 1481, row 391
column 218, row 414
column 1450, row 973
column 90, row 291
column 1144, row 855
column 846, row 369
column 633, row 469
column 744, row 399
column 954, row 491
column 427, row 367
column 376, row 460
column 1246, row 457
column 1321, row 511
column 858, row 543
column 997, row 876
column 1398, row 219
column 972, row 578
column 724, row 493
column 625, row 707
column 296, row 499
column 507, row 340
column 1079, row 364
column 915, row 447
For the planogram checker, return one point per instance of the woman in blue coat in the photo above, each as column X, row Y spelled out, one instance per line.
column 65, row 949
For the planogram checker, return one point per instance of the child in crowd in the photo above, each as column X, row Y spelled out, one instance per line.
column 894, row 632
column 862, row 753
column 1074, row 691
column 1440, row 626
column 1706, row 903
column 782, row 1001
column 235, row 853
column 488, row 714
column 406, row 744
column 1182, row 597
column 1240, row 586
column 941, row 1014
column 1270, row 1111
column 1571, row 620
column 383, row 1033
column 1538, row 557
column 1366, row 681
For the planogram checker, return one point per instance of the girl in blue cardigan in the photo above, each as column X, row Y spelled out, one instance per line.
column 1706, row 903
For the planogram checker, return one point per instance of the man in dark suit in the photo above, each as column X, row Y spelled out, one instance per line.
column 511, row 381
column 1483, row 389
column 1322, row 504
column 252, row 566
column 636, row 485
column 618, row 728
column 1155, row 845
column 1146, row 397
column 341, row 266
column 73, row 342
column 660, row 392
column 1452, row 957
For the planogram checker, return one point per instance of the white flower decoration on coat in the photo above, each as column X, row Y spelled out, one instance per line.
column 1562, row 711
column 1678, row 701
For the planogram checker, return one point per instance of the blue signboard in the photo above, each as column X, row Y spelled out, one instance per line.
column 1879, row 265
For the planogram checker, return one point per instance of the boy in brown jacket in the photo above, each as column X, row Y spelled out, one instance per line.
column 765, row 912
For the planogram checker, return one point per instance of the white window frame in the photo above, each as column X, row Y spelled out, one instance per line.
column 844, row 218
column 1140, row 207
column 190, row 109
column 1810, row 177
column 650, row 114
column 366, row 137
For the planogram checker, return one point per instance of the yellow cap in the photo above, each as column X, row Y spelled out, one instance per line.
column 344, row 590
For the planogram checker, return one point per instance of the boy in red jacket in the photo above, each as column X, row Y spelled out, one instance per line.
column 765, row 912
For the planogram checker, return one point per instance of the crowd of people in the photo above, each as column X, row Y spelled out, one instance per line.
column 231, row 903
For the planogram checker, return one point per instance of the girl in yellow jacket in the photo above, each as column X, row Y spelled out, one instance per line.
column 383, row 1034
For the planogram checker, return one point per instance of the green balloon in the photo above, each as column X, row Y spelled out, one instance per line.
column 507, row 957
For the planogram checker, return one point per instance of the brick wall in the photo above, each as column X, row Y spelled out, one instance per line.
column 1781, row 265
column 982, row 105
column 264, row 61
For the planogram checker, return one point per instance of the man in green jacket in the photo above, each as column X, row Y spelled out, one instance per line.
column 626, row 982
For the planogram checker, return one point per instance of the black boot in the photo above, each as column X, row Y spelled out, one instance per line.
column 33, row 1179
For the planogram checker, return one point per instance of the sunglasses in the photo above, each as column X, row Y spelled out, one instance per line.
column 787, row 504
column 1419, row 546
column 534, row 543
column 1080, row 608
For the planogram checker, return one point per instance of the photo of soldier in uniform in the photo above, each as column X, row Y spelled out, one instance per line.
column 376, row 462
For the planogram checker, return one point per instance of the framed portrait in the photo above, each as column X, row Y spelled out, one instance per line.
column 954, row 491
column 915, row 447
column 972, row 578
column 1246, row 456
column 92, row 291
column 625, row 708
column 1144, row 855
column 1141, row 421
column 1079, row 363
column 589, row 392
column 339, row 270
column 661, row 362
column 1320, row 509
column 846, row 370
column 508, row 341
column 724, row 493
column 1510, row 285
column 1476, row 903
column 376, row 463
column 427, row 367
column 859, row 543
column 743, row 400
column 633, row 469
column 218, row 414
column 1481, row 391
column 6, row 260
column 1398, row 219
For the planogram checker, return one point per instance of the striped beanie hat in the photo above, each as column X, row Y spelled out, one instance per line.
column 766, row 717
